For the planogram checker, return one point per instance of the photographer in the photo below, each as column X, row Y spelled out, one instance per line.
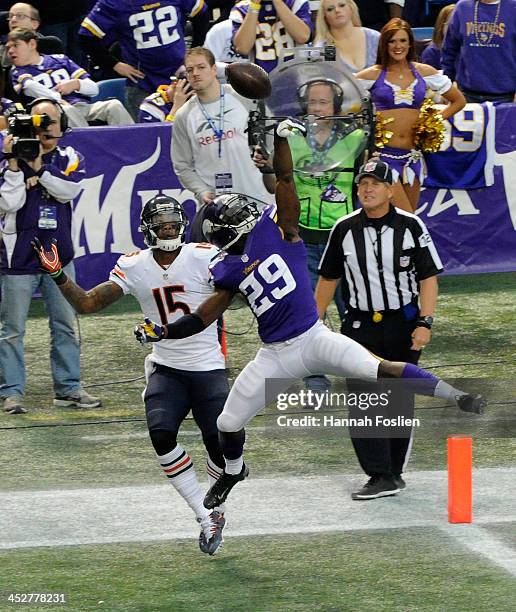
column 38, row 181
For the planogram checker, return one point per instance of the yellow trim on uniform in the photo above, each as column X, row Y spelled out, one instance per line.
column 78, row 73
column 91, row 28
column 199, row 8
column 71, row 168
column 162, row 89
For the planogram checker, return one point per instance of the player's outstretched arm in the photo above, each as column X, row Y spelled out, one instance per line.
column 209, row 311
column 286, row 197
column 84, row 302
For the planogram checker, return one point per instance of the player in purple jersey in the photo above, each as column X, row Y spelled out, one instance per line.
column 266, row 263
column 151, row 37
column 265, row 28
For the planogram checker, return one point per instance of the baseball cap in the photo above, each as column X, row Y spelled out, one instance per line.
column 376, row 168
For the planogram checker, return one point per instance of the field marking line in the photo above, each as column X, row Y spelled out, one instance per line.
column 278, row 505
column 483, row 543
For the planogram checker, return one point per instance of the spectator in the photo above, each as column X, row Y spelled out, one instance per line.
column 58, row 78
column 262, row 28
column 479, row 50
column 164, row 103
column 432, row 54
column 376, row 13
column 22, row 15
column 398, row 87
column 61, row 19
column 209, row 145
column 385, row 260
column 219, row 41
column 36, row 196
column 338, row 23
column 152, row 42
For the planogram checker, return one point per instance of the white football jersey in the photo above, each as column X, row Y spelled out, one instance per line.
column 165, row 295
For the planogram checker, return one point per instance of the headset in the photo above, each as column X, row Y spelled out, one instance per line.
column 338, row 94
column 63, row 117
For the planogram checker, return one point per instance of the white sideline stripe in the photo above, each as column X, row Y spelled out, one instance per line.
column 290, row 505
column 482, row 542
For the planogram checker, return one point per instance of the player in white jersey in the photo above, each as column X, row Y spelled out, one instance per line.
column 170, row 279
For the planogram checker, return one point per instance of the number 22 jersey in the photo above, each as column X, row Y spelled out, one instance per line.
column 273, row 276
column 165, row 295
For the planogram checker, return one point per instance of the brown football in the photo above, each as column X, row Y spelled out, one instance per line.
column 249, row 80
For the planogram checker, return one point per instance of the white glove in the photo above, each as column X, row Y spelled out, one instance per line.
column 290, row 126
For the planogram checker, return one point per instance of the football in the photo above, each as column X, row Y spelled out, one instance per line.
column 249, row 80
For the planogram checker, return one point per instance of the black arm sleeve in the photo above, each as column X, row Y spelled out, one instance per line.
column 100, row 56
column 184, row 327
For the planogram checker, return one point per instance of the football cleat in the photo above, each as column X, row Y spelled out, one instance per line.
column 210, row 538
column 471, row 403
column 218, row 493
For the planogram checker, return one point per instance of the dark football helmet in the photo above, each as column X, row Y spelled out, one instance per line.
column 158, row 211
column 228, row 220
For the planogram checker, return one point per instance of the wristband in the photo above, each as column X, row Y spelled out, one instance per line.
column 59, row 277
column 255, row 7
column 170, row 117
column 184, row 327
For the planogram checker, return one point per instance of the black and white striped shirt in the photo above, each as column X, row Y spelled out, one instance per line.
column 381, row 261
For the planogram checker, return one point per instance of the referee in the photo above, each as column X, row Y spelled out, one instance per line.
column 388, row 266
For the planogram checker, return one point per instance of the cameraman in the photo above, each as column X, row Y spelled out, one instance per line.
column 36, row 190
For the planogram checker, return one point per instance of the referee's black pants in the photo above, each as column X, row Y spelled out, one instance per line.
column 390, row 339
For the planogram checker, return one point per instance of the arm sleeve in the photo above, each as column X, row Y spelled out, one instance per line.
column 332, row 261
column 451, row 47
column 32, row 89
column 439, row 82
column 88, row 87
column 64, row 184
column 182, row 155
column 12, row 191
column 426, row 259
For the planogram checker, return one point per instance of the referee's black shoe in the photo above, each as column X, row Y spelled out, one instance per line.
column 218, row 493
column 471, row 403
column 377, row 486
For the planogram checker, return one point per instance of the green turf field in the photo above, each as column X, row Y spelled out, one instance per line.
column 419, row 567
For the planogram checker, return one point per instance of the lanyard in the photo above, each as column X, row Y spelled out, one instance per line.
column 218, row 132
column 319, row 150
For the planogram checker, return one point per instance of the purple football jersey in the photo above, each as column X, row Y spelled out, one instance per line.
column 273, row 275
column 271, row 36
column 49, row 72
column 151, row 36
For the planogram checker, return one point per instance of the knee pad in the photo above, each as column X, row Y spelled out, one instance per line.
column 229, row 422
column 163, row 440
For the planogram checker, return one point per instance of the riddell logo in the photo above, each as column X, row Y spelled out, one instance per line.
column 208, row 140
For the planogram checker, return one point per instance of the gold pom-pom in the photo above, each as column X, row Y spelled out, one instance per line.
column 429, row 129
column 382, row 135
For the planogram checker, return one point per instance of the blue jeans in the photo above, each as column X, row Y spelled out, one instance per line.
column 320, row 382
column 17, row 293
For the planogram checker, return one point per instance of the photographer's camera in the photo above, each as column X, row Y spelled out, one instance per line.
column 23, row 128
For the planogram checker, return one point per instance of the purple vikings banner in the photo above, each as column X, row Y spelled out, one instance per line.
column 474, row 230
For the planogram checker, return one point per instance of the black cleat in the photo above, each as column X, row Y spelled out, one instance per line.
column 399, row 482
column 210, row 538
column 218, row 493
column 471, row 403
column 376, row 486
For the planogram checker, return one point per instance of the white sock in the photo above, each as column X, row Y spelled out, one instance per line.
column 234, row 466
column 179, row 469
column 214, row 473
